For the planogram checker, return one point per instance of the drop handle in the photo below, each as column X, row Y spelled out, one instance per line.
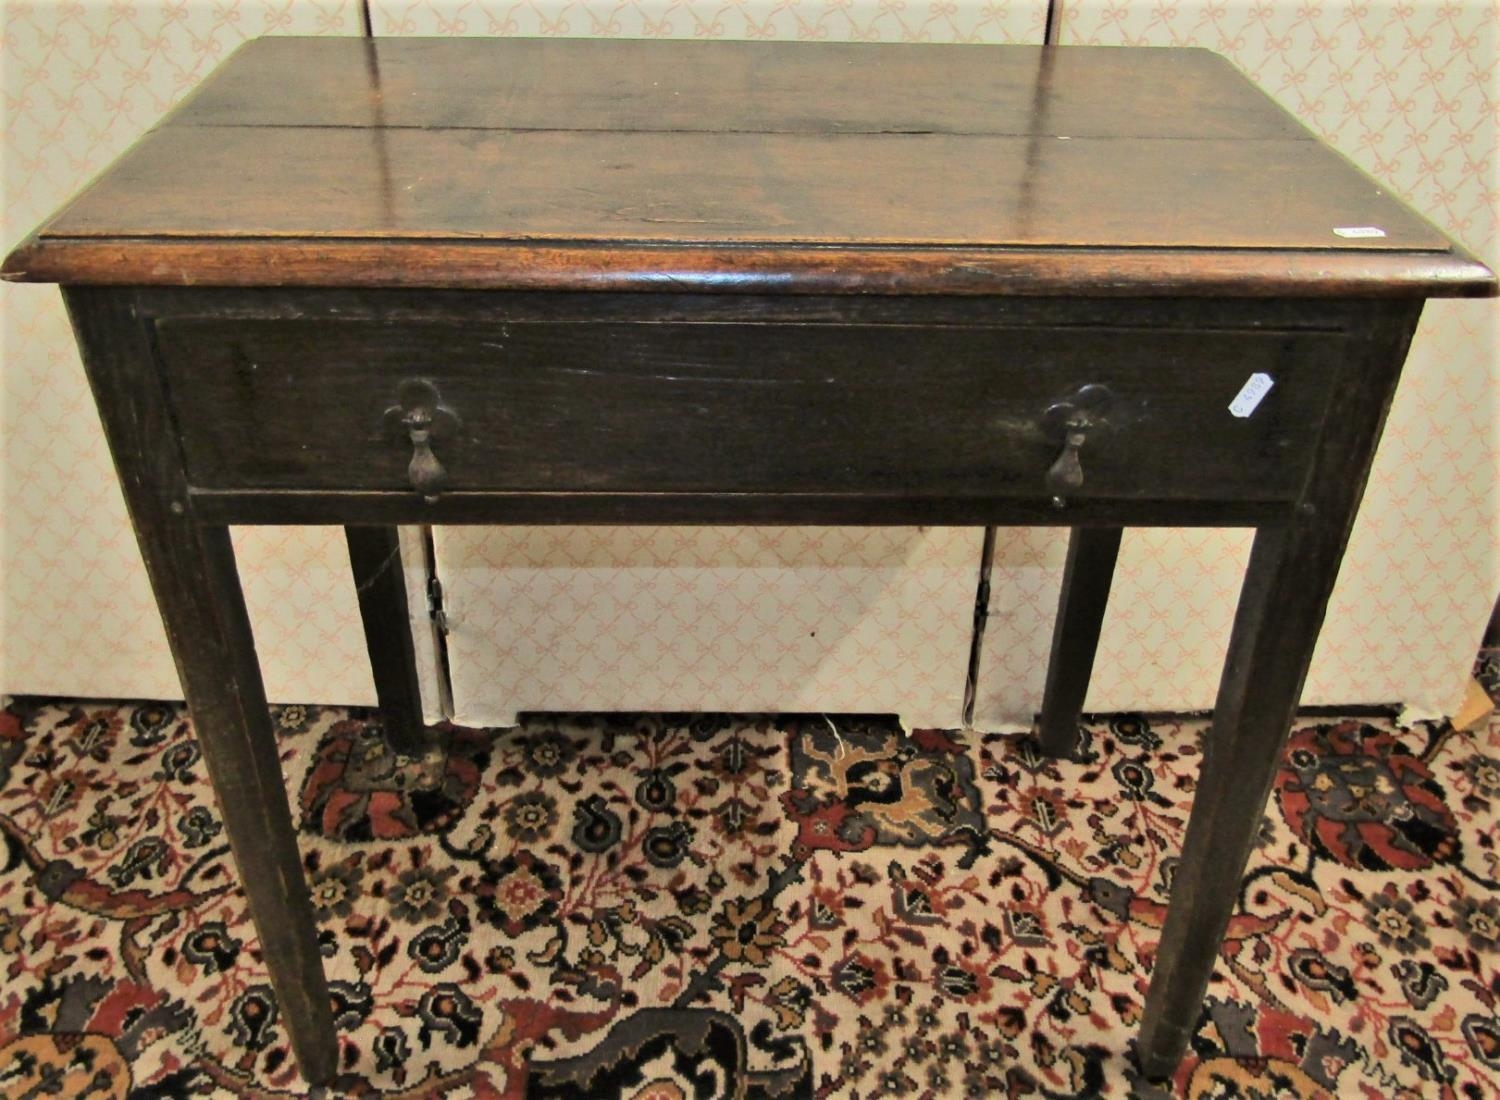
column 1065, row 475
column 422, row 418
column 424, row 471
column 1088, row 411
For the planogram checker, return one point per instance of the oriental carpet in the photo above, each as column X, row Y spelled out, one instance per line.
column 674, row 906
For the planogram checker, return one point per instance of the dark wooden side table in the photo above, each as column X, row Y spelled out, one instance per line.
column 508, row 281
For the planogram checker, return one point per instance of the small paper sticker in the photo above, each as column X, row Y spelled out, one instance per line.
column 1251, row 394
column 1357, row 231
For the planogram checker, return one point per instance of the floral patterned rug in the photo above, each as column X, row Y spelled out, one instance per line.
column 677, row 906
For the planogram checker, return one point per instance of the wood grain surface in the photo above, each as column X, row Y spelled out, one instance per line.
column 756, row 87
column 868, row 189
column 581, row 165
column 811, row 408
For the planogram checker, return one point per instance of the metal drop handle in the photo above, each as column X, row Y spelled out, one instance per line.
column 423, row 419
column 1073, row 418
column 1066, row 474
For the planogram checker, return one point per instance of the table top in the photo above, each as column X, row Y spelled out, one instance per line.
column 740, row 166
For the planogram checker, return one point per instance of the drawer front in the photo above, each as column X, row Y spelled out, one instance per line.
column 744, row 407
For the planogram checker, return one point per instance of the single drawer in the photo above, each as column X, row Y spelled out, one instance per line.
column 744, row 407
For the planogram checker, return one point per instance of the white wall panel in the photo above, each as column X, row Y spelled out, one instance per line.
column 863, row 620
column 1408, row 92
column 81, row 82
column 741, row 619
column 791, row 20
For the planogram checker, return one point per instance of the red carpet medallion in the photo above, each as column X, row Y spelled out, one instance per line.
column 674, row 907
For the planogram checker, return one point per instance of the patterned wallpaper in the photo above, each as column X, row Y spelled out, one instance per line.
column 81, row 82
column 1402, row 88
column 856, row 620
column 742, row 619
column 825, row 20
column 1407, row 91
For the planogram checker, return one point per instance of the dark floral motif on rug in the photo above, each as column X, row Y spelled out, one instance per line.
column 857, row 783
column 1354, row 794
column 358, row 789
column 677, row 906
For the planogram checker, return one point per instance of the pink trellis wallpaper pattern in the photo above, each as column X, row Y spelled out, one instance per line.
column 1407, row 91
column 827, row 20
column 81, row 82
column 740, row 619
column 845, row 620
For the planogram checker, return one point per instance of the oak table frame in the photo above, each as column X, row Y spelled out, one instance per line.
column 483, row 355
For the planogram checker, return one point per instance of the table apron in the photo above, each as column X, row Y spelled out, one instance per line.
column 1064, row 413
column 294, row 507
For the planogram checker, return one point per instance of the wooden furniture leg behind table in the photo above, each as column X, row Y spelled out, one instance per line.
column 375, row 560
column 1087, row 576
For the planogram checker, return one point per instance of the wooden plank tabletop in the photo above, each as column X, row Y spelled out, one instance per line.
column 755, row 87
column 735, row 165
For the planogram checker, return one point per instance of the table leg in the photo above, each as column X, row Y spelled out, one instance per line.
column 197, row 589
column 375, row 557
column 1087, row 577
column 234, row 729
column 1258, row 694
column 1287, row 585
